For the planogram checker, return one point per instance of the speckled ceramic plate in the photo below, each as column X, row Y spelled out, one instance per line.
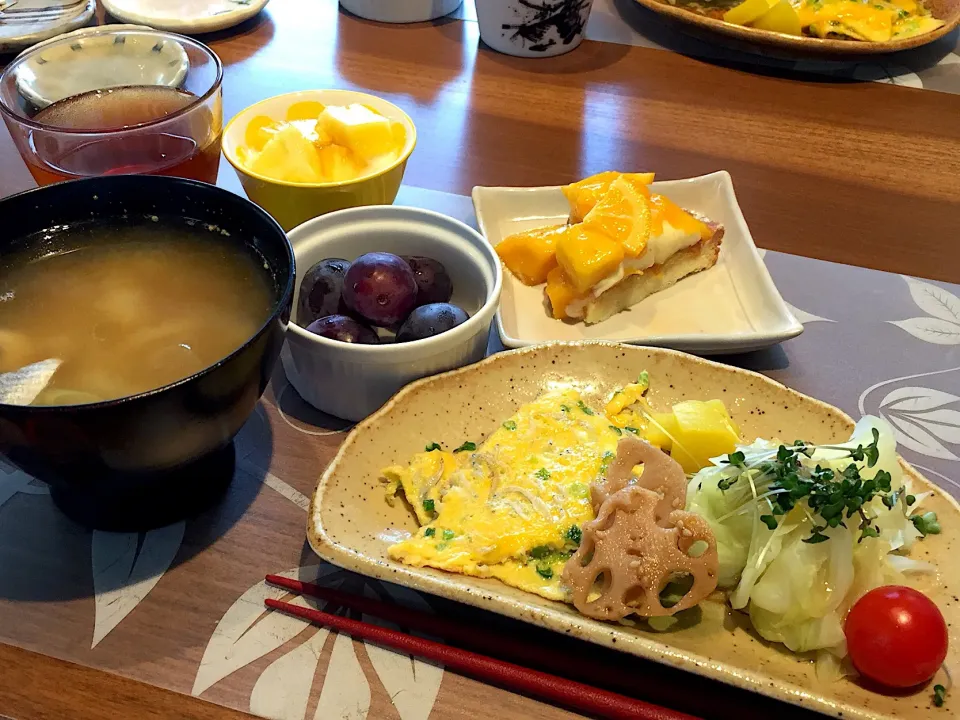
column 763, row 40
column 351, row 524
column 185, row 16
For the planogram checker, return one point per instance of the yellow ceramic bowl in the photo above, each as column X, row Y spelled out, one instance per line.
column 294, row 203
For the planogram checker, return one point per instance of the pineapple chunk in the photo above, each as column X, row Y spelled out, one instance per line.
column 587, row 257
column 289, row 157
column 259, row 131
column 532, row 254
column 704, row 430
column 365, row 133
column 399, row 135
column 338, row 163
column 321, row 138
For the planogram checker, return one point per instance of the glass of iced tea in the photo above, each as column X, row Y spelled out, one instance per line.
column 115, row 103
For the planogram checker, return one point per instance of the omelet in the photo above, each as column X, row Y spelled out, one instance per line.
column 864, row 20
column 512, row 508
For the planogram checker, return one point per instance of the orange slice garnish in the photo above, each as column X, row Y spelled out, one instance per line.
column 623, row 214
column 584, row 195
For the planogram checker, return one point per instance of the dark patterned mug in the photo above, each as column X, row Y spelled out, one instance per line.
column 533, row 28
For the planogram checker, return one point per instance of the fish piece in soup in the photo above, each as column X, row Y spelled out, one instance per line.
column 129, row 308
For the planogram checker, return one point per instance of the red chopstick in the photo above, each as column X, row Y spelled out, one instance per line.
column 515, row 677
column 487, row 641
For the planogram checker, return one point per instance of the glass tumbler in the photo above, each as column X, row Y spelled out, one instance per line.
column 115, row 102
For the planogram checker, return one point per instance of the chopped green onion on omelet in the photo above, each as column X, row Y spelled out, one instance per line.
column 512, row 508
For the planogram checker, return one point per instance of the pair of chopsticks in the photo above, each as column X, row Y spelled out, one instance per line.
column 572, row 694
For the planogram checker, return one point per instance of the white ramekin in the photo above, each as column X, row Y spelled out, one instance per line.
column 349, row 380
column 400, row 11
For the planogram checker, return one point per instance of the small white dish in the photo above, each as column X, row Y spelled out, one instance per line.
column 400, row 11
column 185, row 16
column 30, row 21
column 732, row 307
column 97, row 58
column 350, row 381
column 526, row 29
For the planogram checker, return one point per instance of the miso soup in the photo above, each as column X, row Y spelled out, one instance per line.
column 129, row 308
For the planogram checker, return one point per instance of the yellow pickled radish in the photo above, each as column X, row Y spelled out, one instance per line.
column 781, row 18
column 748, row 11
column 704, row 430
column 661, row 430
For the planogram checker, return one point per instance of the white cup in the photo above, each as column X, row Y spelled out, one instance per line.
column 533, row 28
column 400, row 11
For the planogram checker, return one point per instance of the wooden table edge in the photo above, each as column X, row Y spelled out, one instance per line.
column 34, row 685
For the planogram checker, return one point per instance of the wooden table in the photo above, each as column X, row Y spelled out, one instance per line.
column 863, row 174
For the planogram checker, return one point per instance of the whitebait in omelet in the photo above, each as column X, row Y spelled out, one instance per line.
column 512, row 508
column 517, row 507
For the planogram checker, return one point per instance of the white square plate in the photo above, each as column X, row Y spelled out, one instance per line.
column 732, row 307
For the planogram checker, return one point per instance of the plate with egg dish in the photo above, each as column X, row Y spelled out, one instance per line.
column 669, row 507
column 618, row 256
column 830, row 28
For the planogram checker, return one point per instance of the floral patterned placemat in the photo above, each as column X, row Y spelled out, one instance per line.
column 182, row 606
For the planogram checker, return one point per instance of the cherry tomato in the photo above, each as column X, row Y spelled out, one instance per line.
column 896, row 636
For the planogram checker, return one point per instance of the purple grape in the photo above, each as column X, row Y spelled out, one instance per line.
column 320, row 290
column 429, row 320
column 433, row 282
column 381, row 288
column 344, row 329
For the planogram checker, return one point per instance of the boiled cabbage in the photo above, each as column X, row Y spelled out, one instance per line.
column 798, row 592
column 732, row 521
